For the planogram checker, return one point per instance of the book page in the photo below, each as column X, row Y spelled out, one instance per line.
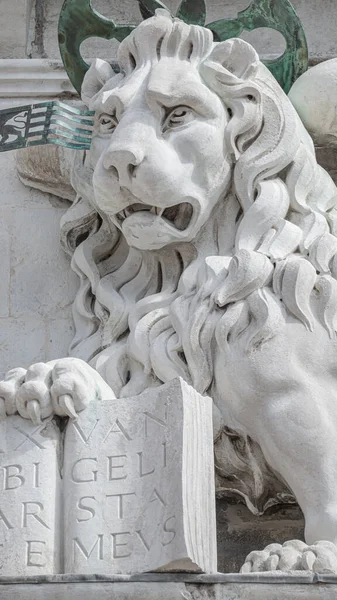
column 127, row 487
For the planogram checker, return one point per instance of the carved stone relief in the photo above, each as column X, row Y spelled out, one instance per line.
column 204, row 237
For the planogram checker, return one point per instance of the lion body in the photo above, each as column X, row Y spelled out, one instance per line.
column 242, row 303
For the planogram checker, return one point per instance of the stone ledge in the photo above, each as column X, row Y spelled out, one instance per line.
column 272, row 578
column 29, row 78
column 263, row 586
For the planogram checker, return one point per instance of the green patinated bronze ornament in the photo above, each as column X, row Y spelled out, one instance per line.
column 275, row 14
column 148, row 7
column 79, row 21
column 45, row 123
column 193, row 12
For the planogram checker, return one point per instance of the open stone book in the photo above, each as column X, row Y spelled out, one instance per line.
column 125, row 488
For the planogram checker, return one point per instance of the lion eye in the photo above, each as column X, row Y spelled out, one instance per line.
column 178, row 116
column 107, row 123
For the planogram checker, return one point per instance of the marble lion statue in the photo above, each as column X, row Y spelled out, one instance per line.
column 204, row 237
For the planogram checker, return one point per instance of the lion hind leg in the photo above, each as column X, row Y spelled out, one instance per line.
column 297, row 435
column 321, row 523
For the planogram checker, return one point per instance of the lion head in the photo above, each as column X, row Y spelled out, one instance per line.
column 201, row 191
column 158, row 154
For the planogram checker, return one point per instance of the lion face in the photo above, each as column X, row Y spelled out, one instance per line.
column 158, row 154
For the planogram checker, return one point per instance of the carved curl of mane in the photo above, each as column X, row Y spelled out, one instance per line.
column 285, row 240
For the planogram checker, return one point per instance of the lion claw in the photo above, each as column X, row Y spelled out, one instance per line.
column 34, row 411
column 67, row 407
column 63, row 387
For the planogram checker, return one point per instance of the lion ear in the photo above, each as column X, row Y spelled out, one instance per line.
column 233, row 60
column 95, row 78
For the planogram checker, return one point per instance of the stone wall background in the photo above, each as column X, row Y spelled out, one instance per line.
column 37, row 287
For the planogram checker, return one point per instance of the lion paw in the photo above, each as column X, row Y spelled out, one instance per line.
column 295, row 555
column 63, row 387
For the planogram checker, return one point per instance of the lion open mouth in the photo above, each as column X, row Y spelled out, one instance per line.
column 179, row 215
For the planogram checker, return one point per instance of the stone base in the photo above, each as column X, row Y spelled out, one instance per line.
column 152, row 586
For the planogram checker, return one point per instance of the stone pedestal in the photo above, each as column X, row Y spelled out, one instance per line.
column 172, row 587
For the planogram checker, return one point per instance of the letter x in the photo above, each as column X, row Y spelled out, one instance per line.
column 30, row 437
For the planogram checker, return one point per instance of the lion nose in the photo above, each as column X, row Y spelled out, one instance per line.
column 123, row 162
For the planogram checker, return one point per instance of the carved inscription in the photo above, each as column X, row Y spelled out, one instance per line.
column 29, row 498
column 123, row 481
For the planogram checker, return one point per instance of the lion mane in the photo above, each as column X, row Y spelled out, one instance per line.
column 170, row 307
